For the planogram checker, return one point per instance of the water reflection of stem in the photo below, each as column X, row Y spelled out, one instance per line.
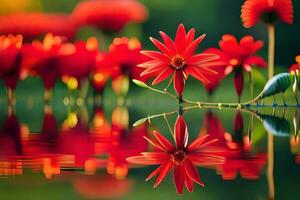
column 271, row 166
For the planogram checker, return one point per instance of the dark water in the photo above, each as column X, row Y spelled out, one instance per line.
column 80, row 152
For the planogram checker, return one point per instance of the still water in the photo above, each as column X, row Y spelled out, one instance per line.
column 80, row 152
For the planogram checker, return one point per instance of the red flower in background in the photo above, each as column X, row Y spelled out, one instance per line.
column 178, row 59
column 10, row 59
column 240, row 56
column 267, row 10
column 295, row 67
column 181, row 157
column 31, row 25
column 111, row 15
column 40, row 58
column 77, row 60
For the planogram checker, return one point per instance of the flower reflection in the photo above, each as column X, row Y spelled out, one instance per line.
column 182, row 157
column 238, row 150
column 295, row 147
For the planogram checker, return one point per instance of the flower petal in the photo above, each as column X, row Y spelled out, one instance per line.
column 179, row 82
column 189, row 184
column 190, row 37
column 180, row 133
column 164, row 142
column 163, row 76
column 161, row 46
column 142, row 160
column 179, row 178
column 165, row 169
column 197, row 142
column 190, row 50
column 156, row 55
column 155, row 144
column 192, row 172
column 168, row 42
column 154, row 173
column 255, row 60
column 180, row 39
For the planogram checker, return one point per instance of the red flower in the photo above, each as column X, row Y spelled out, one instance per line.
column 111, row 15
column 77, row 60
column 240, row 56
column 181, row 157
column 178, row 59
column 267, row 10
column 39, row 58
column 295, row 67
column 10, row 59
column 31, row 25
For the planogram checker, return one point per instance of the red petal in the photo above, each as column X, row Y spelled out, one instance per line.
column 154, row 173
column 196, row 143
column 164, row 142
column 181, row 133
column 189, row 184
column 180, row 39
column 246, row 41
column 156, row 55
column 192, row 172
column 255, row 60
column 142, row 160
column 154, row 144
column 161, row 46
column 190, row 50
column 202, row 160
column 190, row 37
column 152, row 63
column 193, row 71
column 202, row 58
column 165, row 169
column 168, row 42
column 163, row 76
column 179, row 178
column 155, row 70
column 179, row 82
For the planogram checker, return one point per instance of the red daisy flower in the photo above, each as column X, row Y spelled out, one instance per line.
column 181, row 157
column 240, row 56
column 77, row 60
column 39, row 58
column 10, row 59
column 111, row 15
column 178, row 59
column 40, row 24
column 267, row 10
column 295, row 67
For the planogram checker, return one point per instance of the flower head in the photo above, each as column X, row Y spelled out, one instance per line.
column 40, row 24
column 110, row 15
column 267, row 10
column 40, row 58
column 10, row 59
column 240, row 56
column 181, row 157
column 178, row 59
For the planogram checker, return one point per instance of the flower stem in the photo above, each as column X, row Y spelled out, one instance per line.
column 271, row 49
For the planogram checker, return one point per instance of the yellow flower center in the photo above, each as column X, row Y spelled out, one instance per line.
column 178, row 157
column 178, row 62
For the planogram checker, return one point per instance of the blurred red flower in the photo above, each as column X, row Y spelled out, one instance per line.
column 178, row 59
column 10, row 59
column 267, row 10
column 240, row 56
column 110, row 15
column 296, row 67
column 77, row 60
column 181, row 157
column 39, row 58
column 31, row 25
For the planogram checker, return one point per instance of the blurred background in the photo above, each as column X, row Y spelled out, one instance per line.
column 212, row 17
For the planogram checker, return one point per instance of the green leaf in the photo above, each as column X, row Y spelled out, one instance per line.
column 139, row 122
column 278, row 84
column 276, row 125
column 140, row 83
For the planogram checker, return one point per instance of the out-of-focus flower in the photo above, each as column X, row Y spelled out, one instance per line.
column 182, row 157
column 110, row 15
column 240, row 56
column 178, row 59
column 10, row 59
column 267, row 10
column 39, row 58
column 77, row 60
column 31, row 25
column 296, row 67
